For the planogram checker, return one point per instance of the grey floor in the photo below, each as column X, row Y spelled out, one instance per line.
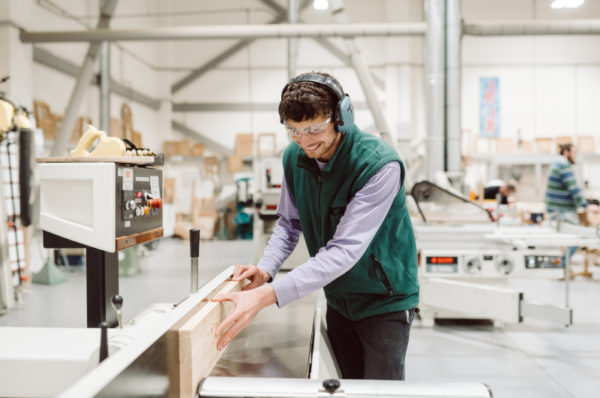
column 531, row 359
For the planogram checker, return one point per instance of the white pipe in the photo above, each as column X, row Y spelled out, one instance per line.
column 364, row 77
column 513, row 28
column 292, row 42
column 105, row 87
column 228, row 32
column 435, row 86
column 453, row 68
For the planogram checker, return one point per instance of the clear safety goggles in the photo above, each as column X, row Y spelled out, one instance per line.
column 315, row 129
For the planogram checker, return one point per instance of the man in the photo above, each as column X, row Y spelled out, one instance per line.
column 344, row 190
column 563, row 197
column 498, row 190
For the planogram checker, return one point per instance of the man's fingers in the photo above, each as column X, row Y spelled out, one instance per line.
column 240, row 270
column 226, row 323
column 222, row 297
column 248, row 274
column 231, row 333
column 252, row 285
column 237, row 270
column 239, row 324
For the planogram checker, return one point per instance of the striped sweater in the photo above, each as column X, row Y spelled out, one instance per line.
column 562, row 192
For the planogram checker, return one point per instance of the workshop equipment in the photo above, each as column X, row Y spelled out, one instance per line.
column 464, row 265
column 184, row 335
column 103, row 204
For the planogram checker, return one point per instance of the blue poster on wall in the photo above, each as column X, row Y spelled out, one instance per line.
column 489, row 107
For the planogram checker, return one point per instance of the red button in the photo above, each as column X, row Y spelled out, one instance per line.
column 156, row 203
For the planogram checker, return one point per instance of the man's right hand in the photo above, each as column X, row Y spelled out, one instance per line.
column 257, row 276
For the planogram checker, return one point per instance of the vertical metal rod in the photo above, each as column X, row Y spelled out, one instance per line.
column 292, row 42
column 435, row 86
column 364, row 77
column 194, row 253
column 105, row 87
column 453, row 78
column 567, row 274
column 83, row 80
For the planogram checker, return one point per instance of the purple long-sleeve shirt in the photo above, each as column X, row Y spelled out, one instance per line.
column 363, row 216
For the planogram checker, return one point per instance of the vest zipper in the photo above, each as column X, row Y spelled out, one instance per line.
column 319, row 182
column 381, row 275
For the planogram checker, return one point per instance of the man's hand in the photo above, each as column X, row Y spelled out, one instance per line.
column 247, row 305
column 257, row 276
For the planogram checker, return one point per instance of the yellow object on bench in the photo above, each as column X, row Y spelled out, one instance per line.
column 108, row 146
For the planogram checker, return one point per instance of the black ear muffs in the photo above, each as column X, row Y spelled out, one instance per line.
column 344, row 111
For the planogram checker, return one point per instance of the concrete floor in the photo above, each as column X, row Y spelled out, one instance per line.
column 531, row 359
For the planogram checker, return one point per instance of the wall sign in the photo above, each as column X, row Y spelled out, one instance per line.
column 489, row 107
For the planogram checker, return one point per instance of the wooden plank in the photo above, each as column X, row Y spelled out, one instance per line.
column 92, row 159
column 124, row 242
column 192, row 345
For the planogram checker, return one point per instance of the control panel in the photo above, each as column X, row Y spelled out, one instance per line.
column 543, row 262
column 139, row 199
column 491, row 264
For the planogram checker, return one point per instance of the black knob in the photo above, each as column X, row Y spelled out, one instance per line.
column 117, row 301
column 194, row 243
column 331, row 385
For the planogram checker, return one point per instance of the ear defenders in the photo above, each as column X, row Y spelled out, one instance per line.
column 344, row 111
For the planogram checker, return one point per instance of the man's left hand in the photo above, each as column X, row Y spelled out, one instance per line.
column 247, row 305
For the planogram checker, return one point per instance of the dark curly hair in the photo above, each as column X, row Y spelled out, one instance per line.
column 307, row 100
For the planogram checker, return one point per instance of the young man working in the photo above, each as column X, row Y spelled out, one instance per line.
column 344, row 190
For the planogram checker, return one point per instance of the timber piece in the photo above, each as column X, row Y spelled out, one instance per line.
column 192, row 346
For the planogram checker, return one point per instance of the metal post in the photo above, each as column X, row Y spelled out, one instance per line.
column 292, row 42
column 105, row 87
column 364, row 77
column 102, row 283
column 83, row 80
column 453, row 68
column 434, row 63
column 567, row 274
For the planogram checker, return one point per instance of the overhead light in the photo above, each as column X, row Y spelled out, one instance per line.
column 566, row 3
column 320, row 4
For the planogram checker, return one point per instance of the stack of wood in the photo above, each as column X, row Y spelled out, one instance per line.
column 127, row 127
column 50, row 122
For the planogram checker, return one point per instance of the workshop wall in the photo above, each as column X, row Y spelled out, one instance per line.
column 548, row 84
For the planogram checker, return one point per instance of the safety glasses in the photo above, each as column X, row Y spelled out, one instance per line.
column 315, row 129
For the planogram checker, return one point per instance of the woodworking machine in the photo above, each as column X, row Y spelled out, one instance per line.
column 102, row 204
column 466, row 260
column 170, row 351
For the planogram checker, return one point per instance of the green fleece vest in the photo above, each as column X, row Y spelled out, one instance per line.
column 385, row 278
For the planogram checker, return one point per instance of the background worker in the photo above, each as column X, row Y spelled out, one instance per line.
column 344, row 189
column 498, row 190
column 563, row 196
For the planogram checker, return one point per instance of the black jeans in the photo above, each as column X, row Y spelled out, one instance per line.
column 372, row 348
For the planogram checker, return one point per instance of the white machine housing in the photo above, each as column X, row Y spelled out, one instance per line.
column 72, row 204
column 94, row 203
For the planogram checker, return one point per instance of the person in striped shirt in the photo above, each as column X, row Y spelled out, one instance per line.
column 563, row 196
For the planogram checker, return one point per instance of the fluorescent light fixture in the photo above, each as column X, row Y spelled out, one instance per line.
column 320, row 4
column 566, row 3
